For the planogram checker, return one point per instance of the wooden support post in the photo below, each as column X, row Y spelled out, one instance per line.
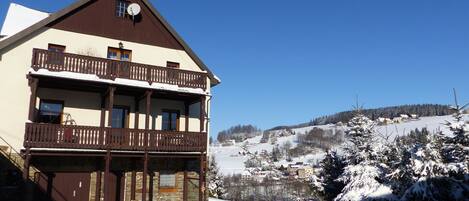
column 26, row 164
column 147, row 116
column 186, row 114
column 97, row 196
column 184, row 189
column 107, row 177
column 133, row 181
column 102, row 122
column 137, row 112
column 33, row 83
column 144, row 179
column 110, row 105
column 150, row 188
column 201, row 188
column 202, row 113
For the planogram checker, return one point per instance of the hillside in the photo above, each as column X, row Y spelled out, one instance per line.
column 421, row 110
column 231, row 159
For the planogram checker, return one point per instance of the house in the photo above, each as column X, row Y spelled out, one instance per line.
column 404, row 116
column 384, row 121
column 106, row 102
column 305, row 172
column 228, row 143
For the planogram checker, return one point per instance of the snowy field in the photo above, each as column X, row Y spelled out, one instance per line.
column 231, row 162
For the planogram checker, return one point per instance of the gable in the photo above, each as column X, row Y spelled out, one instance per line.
column 99, row 18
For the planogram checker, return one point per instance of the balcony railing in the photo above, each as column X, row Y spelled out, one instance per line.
column 111, row 69
column 39, row 135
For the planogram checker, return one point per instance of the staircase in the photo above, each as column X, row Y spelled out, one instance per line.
column 11, row 167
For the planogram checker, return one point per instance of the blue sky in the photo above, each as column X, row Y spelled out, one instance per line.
column 286, row 62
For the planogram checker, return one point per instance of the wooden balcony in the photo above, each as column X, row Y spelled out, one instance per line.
column 112, row 69
column 39, row 135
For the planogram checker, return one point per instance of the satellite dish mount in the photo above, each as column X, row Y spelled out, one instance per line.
column 134, row 10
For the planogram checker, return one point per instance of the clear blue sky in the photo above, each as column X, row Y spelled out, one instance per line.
column 285, row 62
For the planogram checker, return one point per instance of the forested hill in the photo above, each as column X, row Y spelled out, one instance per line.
column 422, row 110
column 238, row 133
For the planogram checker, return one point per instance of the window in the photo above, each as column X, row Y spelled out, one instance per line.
column 167, row 179
column 56, row 48
column 119, row 54
column 121, row 8
column 172, row 64
column 119, row 116
column 50, row 111
column 170, row 120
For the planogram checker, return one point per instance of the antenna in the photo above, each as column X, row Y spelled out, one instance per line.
column 134, row 9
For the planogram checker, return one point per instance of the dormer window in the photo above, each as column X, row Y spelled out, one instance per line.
column 121, row 8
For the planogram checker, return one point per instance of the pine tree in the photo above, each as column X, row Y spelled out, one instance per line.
column 363, row 168
column 456, row 150
column 216, row 187
column 326, row 186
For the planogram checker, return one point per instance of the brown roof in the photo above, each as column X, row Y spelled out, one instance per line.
column 57, row 15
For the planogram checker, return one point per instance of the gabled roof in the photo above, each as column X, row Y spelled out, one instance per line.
column 57, row 15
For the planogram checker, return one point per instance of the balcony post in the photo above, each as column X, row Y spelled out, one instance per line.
column 107, row 176
column 133, row 180
column 147, row 115
column 202, row 113
column 186, row 115
column 33, row 83
column 201, row 187
column 144, row 179
column 98, row 185
column 110, row 105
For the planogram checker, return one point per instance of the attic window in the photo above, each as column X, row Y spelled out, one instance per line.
column 172, row 64
column 121, row 8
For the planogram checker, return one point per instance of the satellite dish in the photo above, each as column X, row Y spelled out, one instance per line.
column 133, row 9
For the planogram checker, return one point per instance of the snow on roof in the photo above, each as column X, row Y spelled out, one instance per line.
column 19, row 18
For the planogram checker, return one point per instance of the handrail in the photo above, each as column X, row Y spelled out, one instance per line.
column 112, row 69
column 42, row 135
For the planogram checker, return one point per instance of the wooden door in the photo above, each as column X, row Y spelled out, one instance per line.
column 64, row 186
column 117, row 186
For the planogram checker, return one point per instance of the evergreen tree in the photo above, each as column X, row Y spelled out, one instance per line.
column 326, row 186
column 216, row 187
column 363, row 168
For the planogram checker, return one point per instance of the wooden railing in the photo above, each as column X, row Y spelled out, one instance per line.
column 111, row 69
column 39, row 135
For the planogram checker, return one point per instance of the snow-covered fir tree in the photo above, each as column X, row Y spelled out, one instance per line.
column 456, row 149
column 363, row 167
column 325, row 185
column 216, row 187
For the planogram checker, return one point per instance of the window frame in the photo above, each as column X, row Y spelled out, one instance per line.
column 119, row 52
column 61, row 48
column 167, row 188
column 170, row 111
column 52, row 101
column 172, row 64
column 117, row 9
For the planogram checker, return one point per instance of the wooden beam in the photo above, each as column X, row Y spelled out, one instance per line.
column 133, row 181
column 33, row 84
column 144, row 179
column 137, row 112
column 97, row 195
column 110, row 104
column 26, row 165
column 201, row 192
column 148, row 108
column 184, row 189
column 186, row 114
column 107, row 186
column 202, row 113
column 150, row 186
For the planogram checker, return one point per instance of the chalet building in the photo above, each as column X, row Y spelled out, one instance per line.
column 103, row 100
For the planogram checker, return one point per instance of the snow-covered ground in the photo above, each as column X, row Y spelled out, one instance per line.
column 231, row 162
